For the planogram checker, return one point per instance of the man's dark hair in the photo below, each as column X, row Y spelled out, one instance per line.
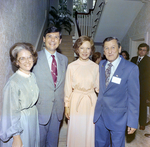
column 144, row 45
column 112, row 38
column 52, row 30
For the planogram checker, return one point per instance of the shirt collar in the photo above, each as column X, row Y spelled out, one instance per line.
column 140, row 57
column 48, row 54
column 114, row 63
column 23, row 74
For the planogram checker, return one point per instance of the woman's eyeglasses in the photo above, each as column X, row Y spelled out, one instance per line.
column 24, row 59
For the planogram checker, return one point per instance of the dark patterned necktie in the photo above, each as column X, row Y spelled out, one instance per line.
column 54, row 70
column 139, row 61
column 107, row 74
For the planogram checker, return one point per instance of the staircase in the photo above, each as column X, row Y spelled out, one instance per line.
column 66, row 47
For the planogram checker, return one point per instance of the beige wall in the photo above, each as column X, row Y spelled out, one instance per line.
column 20, row 21
column 140, row 27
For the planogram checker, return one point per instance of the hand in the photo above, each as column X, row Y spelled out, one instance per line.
column 131, row 130
column 17, row 142
column 67, row 112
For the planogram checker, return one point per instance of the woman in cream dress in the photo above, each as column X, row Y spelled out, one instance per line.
column 82, row 80
column 19, row 121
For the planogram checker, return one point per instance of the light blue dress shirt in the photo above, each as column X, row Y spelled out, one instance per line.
column 114, row 67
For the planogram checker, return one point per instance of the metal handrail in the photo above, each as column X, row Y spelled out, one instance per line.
column 88, row 21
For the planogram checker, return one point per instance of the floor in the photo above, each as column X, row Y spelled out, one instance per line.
column 139, row 141
column 63, row 135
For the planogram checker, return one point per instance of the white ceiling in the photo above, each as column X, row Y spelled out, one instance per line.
column 116, row 18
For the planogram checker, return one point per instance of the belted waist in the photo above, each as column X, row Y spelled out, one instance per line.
column 83, row 93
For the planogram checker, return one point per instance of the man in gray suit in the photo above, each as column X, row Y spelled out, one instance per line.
column 50, row 72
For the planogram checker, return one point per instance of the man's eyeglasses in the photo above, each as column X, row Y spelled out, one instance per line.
column 142, row 50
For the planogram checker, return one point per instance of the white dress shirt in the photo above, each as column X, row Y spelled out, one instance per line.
column 50, row 58
column 140, row 57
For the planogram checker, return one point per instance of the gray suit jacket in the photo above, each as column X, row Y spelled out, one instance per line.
column 49, row 95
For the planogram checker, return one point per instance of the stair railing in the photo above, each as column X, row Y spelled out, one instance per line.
column 86, row 23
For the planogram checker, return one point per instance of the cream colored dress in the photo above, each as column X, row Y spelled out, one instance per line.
column 82, row 80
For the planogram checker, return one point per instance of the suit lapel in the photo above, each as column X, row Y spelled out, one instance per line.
column 59, row 69
column 143, row 60
column 102, row 77
column 46, row 69
column 136, row 60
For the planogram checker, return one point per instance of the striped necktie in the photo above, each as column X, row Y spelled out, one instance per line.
column 54, row 70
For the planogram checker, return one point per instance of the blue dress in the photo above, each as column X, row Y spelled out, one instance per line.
column 19, row 113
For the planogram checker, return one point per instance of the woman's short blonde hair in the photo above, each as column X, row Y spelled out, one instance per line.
column 80, row 41
column 17, row 47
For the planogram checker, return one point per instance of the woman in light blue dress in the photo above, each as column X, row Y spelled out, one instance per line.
column 19, row 125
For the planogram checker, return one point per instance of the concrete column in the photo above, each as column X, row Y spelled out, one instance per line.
column 70, row 6
column 89, row 5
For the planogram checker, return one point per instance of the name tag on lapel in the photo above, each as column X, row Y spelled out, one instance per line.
column 116, row 80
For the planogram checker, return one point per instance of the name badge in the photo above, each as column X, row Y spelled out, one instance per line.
column 116, row 80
